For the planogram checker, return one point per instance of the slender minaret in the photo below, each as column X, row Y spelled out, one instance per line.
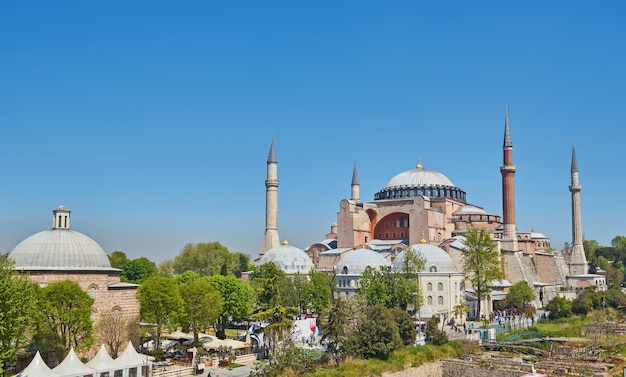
column 578, row 262
column 355, row 185
column 271, row 238
column 509, row 236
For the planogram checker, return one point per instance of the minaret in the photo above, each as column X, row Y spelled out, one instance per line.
column 61, row 218
column 578, row 263
column 271, row 238
column 355, row 185
column 509, row 236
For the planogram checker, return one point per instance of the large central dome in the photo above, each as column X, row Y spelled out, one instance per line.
column 59, row 249
column 420, row 181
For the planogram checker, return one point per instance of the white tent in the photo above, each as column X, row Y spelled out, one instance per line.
column 130, row 358
column 71, row 365
column 102, row 360
column 37, row 368
column 235, row 344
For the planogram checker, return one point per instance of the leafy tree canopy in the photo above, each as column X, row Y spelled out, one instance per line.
column 520, row 294
column 206, row 258
column 118, row 259
column 202, row 304
column 160, row 302
column 138, row 270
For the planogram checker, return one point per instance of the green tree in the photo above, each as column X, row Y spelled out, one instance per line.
column 318, row 291
column 202, row 304
column 520, row 294
column 378, row 334
column 206, row 259
column 237, row 300
column 406, row 328
column 433, row 334
column 138, row 270
column 66, row 318
column 118, row 259
column 481, row 263
column 167, row 267
column 18, row 311
column 187, row 276
column 160, row 302
column 337, row 327
column 590, row 247
column 559, row 307
column 619, row 242
column 375, row 286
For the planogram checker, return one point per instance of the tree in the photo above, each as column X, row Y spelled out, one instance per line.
column 159, row 301
column 481, row 263
column 406, row 328
column 619, row 242
column 433, row 334
column 559, row 307
column 118, row 259
column 519, row 295
column 206, row 259
column 138, row 270
column 375, row 286
column 378, row 334
column 167, row 267
column 66, row 318
column 237, row 299
column 202, row 304
column 18, row 309
column 337, row 327
column 116, row 329
column 318, row 291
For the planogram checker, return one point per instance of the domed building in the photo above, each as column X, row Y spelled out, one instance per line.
column 441, row 283
column 350, row 267
column 60, row 253
column 288, row 258
column 415, row 203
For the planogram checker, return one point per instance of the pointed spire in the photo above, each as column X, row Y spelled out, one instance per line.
column 355, row 177
column 508, row 141
column 574, row 162
column 419, row 162
column 271, row 158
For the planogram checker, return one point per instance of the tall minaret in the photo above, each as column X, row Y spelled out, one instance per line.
column 355, row 185
column 271, row 238
column 578, row 262
column 509, row 237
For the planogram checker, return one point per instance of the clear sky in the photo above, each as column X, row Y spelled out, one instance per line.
column 152, row 120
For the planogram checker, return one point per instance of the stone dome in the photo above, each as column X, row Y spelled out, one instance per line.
column 437, row 260
column 290, row 259
column 357, row 261
column 420, row 181
column 59, row 249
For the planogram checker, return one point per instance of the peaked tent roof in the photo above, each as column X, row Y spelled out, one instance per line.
column 72, row 365
column 102, row 360
column 129, row 358
column 37, row 368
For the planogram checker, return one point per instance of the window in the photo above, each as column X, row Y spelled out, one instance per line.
column 440, row 287
column 429, row 300
column 429, row 286
column 433, row 269
column 402, row 235
column 440, row 300
column 93, row 289
column 345, row 270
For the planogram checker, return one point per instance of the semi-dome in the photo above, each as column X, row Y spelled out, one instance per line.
column 357, row 261
column 288, row 258
column 420, row 181
column 437, row 260
column 59, row 249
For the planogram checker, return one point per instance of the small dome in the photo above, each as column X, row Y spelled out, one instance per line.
column 357, row 261
column 469, row 210
column 437, row 260
column 59, row 249
column 288, row 258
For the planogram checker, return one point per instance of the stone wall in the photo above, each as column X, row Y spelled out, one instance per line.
column 458, row 368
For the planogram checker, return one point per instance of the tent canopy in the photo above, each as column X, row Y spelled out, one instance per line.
column 235, row 344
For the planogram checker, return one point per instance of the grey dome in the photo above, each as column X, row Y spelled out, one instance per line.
column 437, row 260
column 59, row 249
column 357, row 261
column 420, row 182
column 288, row 258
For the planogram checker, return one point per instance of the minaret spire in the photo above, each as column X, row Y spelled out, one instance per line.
column 578, row 261
column 271, row 238
column 509, row 236
column 355, row 185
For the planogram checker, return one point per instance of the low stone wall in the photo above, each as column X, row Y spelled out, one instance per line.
column 458, row 368
column 426, row 370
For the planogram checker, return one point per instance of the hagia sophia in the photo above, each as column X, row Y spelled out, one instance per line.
column 423, row 209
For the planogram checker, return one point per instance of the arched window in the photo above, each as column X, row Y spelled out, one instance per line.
column 429, row 286
column 440, row 300
column 93, row 289
column 429, row 300
column 440, row 287
column 433, row 268
column 345, row 270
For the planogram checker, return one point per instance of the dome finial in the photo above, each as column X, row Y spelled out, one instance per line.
column 423, row 240
column 285, row 243
column 419, row 162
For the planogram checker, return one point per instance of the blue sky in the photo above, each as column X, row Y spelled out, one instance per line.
column 152, row 120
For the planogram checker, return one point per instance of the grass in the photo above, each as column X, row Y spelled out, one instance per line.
column 398, row 360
